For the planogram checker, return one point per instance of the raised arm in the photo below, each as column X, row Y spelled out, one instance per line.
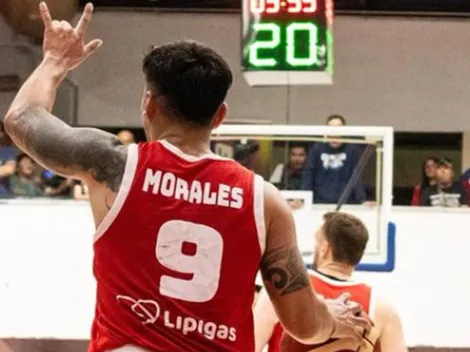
column 82, row 153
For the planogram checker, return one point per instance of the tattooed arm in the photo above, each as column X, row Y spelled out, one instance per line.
column 300, row 311
column 82, row 153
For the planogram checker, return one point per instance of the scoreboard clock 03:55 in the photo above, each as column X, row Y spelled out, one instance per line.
column 287, row 42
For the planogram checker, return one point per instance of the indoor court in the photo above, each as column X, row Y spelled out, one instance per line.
column 351, row 106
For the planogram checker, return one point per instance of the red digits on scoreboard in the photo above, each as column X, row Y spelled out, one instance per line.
column 310, row 6
column 273, row 6
column 276, row 6
column 302, row 6
column 256, row 6
column 295, row 6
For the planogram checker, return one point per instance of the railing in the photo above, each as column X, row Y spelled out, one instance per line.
column 21, row 59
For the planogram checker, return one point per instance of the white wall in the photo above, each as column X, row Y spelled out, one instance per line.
column 47, row 289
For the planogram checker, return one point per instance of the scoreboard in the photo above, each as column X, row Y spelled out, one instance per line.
column 287, row 42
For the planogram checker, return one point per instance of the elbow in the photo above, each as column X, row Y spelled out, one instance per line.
column 11, row 119
column 319, row 332
column 15, row 116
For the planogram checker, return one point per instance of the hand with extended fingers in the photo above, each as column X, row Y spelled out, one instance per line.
column 351, row 321
column 64, row 43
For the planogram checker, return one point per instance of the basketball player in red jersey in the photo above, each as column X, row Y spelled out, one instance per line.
column 340, row 245
column 181, row 232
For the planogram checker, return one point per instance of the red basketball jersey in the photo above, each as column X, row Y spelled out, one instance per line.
column 177, row 255
column 328, row 288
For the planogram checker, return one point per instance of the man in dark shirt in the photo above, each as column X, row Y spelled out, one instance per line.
column 445, row 193
column 247, row 154
column 288, row 176
column 330, row 166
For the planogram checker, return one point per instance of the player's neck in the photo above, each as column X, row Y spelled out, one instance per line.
column 191, row 142
column 337, row 270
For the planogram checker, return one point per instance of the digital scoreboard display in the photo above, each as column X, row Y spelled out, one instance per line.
column 287, row 41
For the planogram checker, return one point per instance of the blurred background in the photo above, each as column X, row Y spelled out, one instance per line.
column 398, row 63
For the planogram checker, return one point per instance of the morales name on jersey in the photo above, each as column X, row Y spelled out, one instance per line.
column 170, row 186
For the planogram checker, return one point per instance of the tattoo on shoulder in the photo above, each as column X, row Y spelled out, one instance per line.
column 284, row 269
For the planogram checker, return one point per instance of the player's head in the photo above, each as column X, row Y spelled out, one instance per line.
column 342, row 239
column 335, row 120
column 186, row 86
column 444, row 171
column 25, row 166
column 246, row 154
column 126, row 137
column 429, row 171
column 297, row 156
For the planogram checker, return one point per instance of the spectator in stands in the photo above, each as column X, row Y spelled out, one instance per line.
column 247, row 154
column 465, row 180
column 446, row 192
column 126, row 137
column 288, row 176
column 56, row 186
column 7, row 162
column 80, row 191
column 329, row 167
column 24, row 182
column 428, row 179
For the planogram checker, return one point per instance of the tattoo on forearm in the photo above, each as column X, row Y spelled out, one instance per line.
column 70, row 151
column 284, row 269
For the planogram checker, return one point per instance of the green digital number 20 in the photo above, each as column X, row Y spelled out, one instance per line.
column 291, row 58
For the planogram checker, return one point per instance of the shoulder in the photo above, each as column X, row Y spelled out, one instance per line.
column 13, row 180
column 353, row 148
column 274, row 202
column 428, row 190
column 466, row 175
column 385, row 313
column 458, row 185
column 317, row 147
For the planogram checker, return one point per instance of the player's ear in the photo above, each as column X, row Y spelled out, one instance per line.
column 220, row 115
column 149, row 104
column 325, row 249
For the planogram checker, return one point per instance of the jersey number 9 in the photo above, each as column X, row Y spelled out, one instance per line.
column 204, row 265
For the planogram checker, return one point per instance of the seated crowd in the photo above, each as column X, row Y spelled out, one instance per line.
column 21, row 177
column 324, row 168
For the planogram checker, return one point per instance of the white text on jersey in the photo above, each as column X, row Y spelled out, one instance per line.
column 149, row 312
column 168, row 185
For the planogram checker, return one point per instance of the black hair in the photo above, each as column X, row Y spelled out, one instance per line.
column 22, row 156
column 190, row 80
column 424, row 177
column 242, row 151
column 444, row 161
column 336, row 117
column 298, row 145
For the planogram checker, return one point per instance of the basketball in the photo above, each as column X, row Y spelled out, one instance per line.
column 288, row 344
column 23, row 15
